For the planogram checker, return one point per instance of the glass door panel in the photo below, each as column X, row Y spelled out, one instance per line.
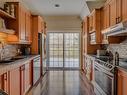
column 63, row 50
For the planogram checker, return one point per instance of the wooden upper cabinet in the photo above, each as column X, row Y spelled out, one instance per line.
column 37, row 27
column 124, row 10
column 94, row 26
column 105, row 14
column 113, row 17
column 28, row 26
column 22, row 25
column 118, row 11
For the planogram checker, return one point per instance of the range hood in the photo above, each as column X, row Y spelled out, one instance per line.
column 119, row 29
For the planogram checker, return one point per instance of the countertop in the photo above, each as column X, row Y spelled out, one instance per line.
column 5, row 67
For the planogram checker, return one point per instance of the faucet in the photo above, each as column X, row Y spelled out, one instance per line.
column 2, row 50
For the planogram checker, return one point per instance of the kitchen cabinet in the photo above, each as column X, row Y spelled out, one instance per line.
column 22, row 79
column 6, row 82
column 124, row 9
column 25, row 75
column 89, row 61
column 22, row 25
column 118, row 11
column 94, row 26
column 28, row 26
column 87, row 47
column 122, row 82
column 28, row 83
column 14, row 82
column 113, row 17
column 1, row 82
column 105, row 14
column 37, row 28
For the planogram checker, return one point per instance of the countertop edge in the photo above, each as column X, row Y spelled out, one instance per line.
column 16, row 64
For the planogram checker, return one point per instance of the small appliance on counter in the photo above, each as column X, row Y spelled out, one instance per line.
column 101, row 52
column 25, row 50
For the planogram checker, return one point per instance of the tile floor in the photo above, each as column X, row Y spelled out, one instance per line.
column 63, row 83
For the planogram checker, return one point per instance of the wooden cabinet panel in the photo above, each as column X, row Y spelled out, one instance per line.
column 124, row 10
column 112, row 12
column 27, row 77
column 22, row 79
column 28, row 26
column 25, row 74
column 14, row 79
column 122, row 82
column 94, row 26
column 105, row 17
column 6, row 82
column 1, row 82
column 22, row 24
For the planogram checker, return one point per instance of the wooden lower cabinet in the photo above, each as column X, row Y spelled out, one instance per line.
column 14, row 80
column 25, row 75
column 122, row 82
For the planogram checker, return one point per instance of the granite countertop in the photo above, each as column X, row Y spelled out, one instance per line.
column 5, row 67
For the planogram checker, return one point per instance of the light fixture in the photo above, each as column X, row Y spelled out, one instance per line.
column 57, row 5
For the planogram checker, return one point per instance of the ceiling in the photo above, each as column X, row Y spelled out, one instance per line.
column 67, row 7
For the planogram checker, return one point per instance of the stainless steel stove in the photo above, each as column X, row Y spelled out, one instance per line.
column 104, row 72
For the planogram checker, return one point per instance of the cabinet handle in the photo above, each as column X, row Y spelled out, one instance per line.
column 5, row 76
column 116, row 20
column 119, row 19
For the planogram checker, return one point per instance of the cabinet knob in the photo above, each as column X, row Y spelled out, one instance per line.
column 117, row 20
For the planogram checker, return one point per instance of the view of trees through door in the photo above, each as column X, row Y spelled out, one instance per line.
column 63, row 50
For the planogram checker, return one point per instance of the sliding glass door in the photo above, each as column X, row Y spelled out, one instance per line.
column 63, row 50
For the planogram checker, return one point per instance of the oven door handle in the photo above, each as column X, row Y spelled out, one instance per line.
column 104, row 71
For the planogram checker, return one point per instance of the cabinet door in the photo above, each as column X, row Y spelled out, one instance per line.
column 28, row 26
column 1, row 81
column 14, row 79
column 122, row 83
column 6, row 82
column 113, row 12
column 22, row 24
column 27, row 77
column 90, row 23
column 124, row 10
column 22, row 77
column 106, row 17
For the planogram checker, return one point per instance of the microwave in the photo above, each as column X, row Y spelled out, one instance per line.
column 93, row 38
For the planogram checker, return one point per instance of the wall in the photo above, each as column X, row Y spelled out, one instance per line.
column 120, row 48
column 63, row 23
column 8, row 51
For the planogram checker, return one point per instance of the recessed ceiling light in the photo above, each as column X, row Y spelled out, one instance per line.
column 57, row 5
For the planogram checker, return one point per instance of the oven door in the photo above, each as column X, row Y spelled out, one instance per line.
column 104, row 80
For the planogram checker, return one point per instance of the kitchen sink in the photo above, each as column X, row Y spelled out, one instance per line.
column 6, row 61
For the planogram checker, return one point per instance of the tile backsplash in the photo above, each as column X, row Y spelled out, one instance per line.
column 9, row 51
column 120, row 48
